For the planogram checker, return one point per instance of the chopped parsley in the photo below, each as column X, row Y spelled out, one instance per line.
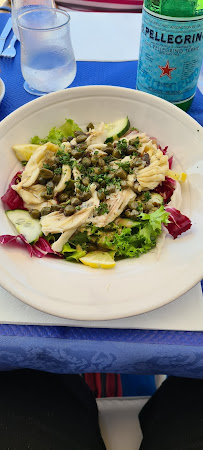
column 58, row 170
column 139, row 207
column 147, row 196
column 102, row 209
column 136, row 143
column 122, row 146
column 49, row 190
column 125, row 166
column 47, row 166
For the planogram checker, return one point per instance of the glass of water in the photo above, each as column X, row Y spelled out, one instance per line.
column 47, row 57
column 20, row 6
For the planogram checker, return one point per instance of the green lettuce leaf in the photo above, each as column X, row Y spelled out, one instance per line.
column 71, row 253
column 56, row 135
column 69, row 127
column 137, row 240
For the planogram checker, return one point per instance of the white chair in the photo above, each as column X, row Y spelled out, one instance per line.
column 119, row 423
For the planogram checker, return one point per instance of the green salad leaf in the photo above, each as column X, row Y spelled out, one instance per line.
column 126, row 241
column 56, row 135
column 69, row 127
column 71, row 253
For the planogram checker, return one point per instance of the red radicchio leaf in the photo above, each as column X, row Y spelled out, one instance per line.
column 39, row 249
column 164, row 150
column 170, row 162
column 166, row 189
column 11, row 197
column 178, row 222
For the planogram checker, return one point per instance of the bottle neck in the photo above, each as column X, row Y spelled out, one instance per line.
column 175, row 8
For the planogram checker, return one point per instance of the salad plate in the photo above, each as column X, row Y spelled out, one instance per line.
column 135, row 285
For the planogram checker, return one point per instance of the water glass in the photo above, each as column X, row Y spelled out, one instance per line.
column 20, row 6
column 47, row 57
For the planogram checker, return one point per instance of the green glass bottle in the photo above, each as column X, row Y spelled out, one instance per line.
column 171, row 49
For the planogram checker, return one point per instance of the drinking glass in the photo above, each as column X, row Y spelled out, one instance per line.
column 20, row 6
column 47, row 57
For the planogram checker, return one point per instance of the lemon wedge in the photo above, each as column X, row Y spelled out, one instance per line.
column 25, row 151
column 98, row 260
column 178, row 176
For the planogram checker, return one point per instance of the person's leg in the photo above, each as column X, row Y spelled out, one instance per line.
column 173, row 417
column 46, row 411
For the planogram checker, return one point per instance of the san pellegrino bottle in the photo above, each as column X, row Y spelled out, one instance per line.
column 171, row 49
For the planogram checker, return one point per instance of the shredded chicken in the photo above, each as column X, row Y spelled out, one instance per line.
column 57, row 222
column 31, row 172
column 65, row 177
column 97, row 135
column 116, row 204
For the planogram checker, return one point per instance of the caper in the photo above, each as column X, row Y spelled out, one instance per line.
column 110, row 188
column 57, row 160
column 70, row 185
column 81, row 138
column 75, row 201
column 121, row 173
column 86, row 161
column 62, row 197
column 50, row 186
column 116, row 153
column 90, row 126
column 130, row 149
column 64, row 139
column 101, row 195
column 97, row 170
column 133, row 163
column 46, row 173
column 55, row 208
column 132, row 204
column 41, row 180
column 105, row 169
column 78, row 132
column 85, row 181
column 69, row 210
column 138, row 162
column 83, row 146
column 35, row 214
column 109, row 150
column 101, row 162
column 46, row 196
column 146, row 158
column 75, row 152
column 56, row 178
column 69, row 138
column 131, row 214
column 94, row 160
column 124, row 184
column 46, row 210
column 86, row 196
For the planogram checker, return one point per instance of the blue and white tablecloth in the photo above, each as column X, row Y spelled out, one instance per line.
column 77, row 350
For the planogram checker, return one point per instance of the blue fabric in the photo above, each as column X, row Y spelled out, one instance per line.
column 76, row 350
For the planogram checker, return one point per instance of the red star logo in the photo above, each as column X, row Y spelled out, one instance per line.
column 166, row 70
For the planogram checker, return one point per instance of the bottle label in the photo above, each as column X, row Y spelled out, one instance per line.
column 171, row 53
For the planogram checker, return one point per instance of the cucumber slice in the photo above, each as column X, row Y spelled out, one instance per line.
column 117, row 129
column 25, row 224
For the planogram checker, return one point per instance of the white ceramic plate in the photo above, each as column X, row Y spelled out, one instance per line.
column 2, row 90
column 135, row 285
